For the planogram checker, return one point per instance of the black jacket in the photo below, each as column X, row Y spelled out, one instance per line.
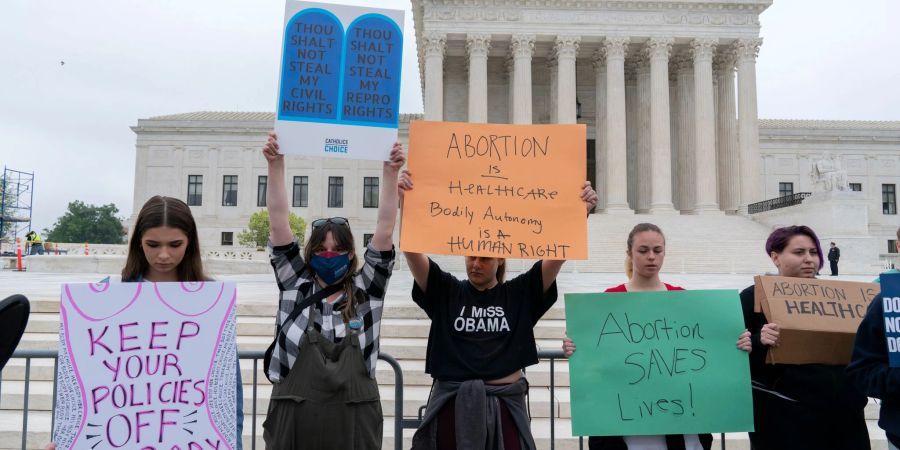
column 871, row 373
column 834, row 254
column 817, row 385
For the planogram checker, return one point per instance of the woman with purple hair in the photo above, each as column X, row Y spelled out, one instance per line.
column 798, row 406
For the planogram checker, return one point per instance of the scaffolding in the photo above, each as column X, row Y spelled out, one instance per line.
column 16, row 196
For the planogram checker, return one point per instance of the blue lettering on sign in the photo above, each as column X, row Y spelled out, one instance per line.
column 890, row 294
column 311, row 66
column 336, row 145
column 371, row 87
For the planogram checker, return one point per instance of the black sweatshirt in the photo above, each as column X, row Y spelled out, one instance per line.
column 871, row 373
column 821, row 386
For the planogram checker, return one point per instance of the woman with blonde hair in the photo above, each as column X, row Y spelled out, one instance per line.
column 644, row 256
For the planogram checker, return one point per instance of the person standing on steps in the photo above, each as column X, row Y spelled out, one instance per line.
column 834, row 254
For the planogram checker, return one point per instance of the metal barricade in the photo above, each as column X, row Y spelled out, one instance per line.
column 401, row 423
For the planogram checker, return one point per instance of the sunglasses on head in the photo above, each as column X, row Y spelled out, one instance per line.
column 333, row 220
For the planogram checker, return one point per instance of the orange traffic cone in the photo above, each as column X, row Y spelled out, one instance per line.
column 19, row 254
column 85, row 248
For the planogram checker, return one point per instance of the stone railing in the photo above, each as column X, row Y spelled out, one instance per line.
column 889, row 261
column 216, row 252
column 778, row 202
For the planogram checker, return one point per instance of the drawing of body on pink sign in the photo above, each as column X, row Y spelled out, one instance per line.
column 146, row 366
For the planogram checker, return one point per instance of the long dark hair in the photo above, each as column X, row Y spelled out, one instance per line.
column 780, row 238
column 162, row 211
column 343, row 237
column 639, row 228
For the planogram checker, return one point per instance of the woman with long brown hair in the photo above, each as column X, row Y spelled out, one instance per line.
column 329, row 319
column 165, row 247
column 645, row 252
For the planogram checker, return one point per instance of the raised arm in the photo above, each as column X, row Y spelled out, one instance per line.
column 383, row 239
column 276, row 194
column 550, row 267
column 417, row 262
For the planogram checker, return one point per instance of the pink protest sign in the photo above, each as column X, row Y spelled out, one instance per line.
column 147, row 366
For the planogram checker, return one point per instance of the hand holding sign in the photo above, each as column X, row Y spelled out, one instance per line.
column 769, row 334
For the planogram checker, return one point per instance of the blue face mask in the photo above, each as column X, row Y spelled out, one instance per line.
column 330, row 267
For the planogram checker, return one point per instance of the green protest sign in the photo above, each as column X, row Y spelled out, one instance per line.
column 658, row 363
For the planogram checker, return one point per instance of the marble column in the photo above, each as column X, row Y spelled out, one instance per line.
column 705, row 127
column 566, row 50
column 684, row 176
column 726, row 135
column 617, row 182
column 511, row 91
column 602, row 170
column 632, row 118
column 477, row 47
column 660, row 136
column 435, row 44
column 746, row 51
column 522, row 46
column 673, row 129
column 643, row 172
column 552, row 90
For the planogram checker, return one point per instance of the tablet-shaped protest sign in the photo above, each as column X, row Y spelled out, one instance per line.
column 339, row 87
column 817, row 319
column 658, row 363
column 890, row 295
column 147, row 366
column 507, row 191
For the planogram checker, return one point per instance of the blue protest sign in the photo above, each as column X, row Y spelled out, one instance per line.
column 890, row 295
column 339, row 87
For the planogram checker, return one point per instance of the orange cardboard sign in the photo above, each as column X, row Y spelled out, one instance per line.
column 817, row 319
column 506, row 191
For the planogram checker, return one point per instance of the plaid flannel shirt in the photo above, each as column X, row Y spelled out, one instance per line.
column 296, row 282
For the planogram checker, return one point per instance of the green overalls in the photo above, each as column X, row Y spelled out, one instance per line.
column 328, row 400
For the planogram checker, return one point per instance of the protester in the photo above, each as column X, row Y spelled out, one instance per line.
column 323, row 367
column 478, row 399
column 644, row 256
column 870, row 369
column 871, row 372
column 798, row 405
column 165, row 247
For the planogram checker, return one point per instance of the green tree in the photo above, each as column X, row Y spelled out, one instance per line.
column 87, row 223
column 257, row 232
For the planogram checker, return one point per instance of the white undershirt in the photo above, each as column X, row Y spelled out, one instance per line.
column 658, row 442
